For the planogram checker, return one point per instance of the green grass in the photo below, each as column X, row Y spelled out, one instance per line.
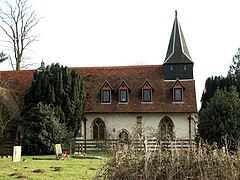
column 71, row 168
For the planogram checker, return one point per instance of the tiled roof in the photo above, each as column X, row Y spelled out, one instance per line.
column 7, row 96
column 17, row 82
column 134, row 76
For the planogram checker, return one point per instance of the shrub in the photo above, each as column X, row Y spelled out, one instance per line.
column 172, row 164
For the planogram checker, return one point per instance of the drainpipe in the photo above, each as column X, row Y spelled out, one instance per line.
column 190, row 129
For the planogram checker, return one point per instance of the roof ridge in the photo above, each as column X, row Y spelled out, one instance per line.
column 125, row 66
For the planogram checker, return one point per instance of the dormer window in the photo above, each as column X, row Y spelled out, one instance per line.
column 106, row 96
column 123, row 95
column 123, row 92
column 146, row 95
column 177, row 94
column 177, row 91
column 147, row 90
column 106, row 93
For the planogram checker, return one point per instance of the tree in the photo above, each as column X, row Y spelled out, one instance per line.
column 17, row 22
column 219, row 121
column 42, row 129
column 221, row 83
column 2, row 57
column 211, row 86
column 61, row 89
column 8, row 110
column 234, row 69
column 63, row 92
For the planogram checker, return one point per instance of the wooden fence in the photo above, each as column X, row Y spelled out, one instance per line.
column 81, row 145
column 6, row 147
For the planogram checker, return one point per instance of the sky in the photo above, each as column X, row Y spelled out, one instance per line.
column 135, row 32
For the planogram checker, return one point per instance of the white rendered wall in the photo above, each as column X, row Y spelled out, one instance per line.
column 116, row 122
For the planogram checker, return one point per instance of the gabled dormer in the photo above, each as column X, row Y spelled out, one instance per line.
column 147, row 91
column 177, row 90
column 178, row 62
column 123, row 92
column 106, row 92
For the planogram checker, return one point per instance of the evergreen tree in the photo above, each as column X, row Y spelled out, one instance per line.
column 211, row 85
column 60, row 90
column 234, row 69
column 219, row 121
column 42, row 129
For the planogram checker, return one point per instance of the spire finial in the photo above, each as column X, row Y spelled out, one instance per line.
column 175, row 12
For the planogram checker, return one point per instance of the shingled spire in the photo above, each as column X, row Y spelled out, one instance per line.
column 177, row 49
column 178, row 62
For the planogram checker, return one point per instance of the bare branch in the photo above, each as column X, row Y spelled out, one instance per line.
column 17, row 22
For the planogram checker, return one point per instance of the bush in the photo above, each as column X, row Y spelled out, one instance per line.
column 174, row 164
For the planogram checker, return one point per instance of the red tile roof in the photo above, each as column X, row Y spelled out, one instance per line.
column 134, row 76
column 17, row 82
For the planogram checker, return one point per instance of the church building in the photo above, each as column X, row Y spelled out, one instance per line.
column 159, row 98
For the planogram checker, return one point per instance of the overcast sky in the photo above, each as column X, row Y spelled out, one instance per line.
column 134, row 32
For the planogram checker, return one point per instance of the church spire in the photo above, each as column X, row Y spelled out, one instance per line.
column 177, row 49
column 178, row 62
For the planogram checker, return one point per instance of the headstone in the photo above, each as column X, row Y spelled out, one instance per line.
column 17, row 150
column 58, row 150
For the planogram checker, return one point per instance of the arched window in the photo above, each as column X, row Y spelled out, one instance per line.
column 165, row 128
column 98, row 129
column 123, row 135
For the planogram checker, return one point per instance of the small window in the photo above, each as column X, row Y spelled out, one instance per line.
column 171, row 68
column 105, row 96
column 123, row 95
column 184, row 67
column 147, row 95
column 177, row 94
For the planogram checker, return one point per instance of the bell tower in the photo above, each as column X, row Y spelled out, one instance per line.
column 178, row 63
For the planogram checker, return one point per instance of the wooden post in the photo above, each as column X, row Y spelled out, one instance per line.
column 85, row 134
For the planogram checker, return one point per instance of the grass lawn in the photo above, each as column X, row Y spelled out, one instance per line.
column 68, row 168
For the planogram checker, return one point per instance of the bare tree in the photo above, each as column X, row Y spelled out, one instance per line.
column 3, row 57
column 9, row 110
column 17, row 22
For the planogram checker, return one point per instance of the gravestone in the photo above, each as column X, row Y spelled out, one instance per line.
column 58, row 150
column 17, row 150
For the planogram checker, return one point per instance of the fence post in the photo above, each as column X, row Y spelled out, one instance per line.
column 70, row 150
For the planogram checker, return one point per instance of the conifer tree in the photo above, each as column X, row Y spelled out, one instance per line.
column 42, row 129
column 219, row 114
column 234, row 68
column 219, row 121
column 63, row 91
